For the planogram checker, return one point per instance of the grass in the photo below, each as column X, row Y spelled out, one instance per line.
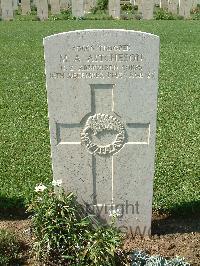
column 24, row 136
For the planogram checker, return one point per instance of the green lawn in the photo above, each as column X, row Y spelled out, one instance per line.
column 24, row 136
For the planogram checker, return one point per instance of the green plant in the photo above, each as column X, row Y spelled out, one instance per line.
column 34, row 8
column 140, row 258
column 127, row 7
column 195, row 12
column 162, row 14
column 66, row 235
column 100, row 5
column 9, row 248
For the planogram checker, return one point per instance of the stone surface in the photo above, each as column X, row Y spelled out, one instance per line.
column 7, row 9
column 157, row 2
column 185, row 7
column 88, row 5
column 42, row 9
column 55, row 7
column 34, row 3
column 26, row 7
column 194, row 3
column 164, row 4
column 173, row 6
column 139, row 4
column 102, row 100
column 15, row 4
column 147, row 9
column 78, row 8
column 114, row 8
column 64, row 4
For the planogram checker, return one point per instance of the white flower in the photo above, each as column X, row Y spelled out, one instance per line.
column 115, row 213
column 40, row 188
column 57, row 183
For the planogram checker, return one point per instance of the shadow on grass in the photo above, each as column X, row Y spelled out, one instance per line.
column 183, row 218
column 12, row 208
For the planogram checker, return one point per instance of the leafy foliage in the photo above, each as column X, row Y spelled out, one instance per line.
column 102, row 4
column 196, row 13
column 163, row 14
column 140, row 258
column 65, row 235
column 127, row 7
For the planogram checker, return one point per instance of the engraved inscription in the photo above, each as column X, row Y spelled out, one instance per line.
column 103, row 123
column 120, row 61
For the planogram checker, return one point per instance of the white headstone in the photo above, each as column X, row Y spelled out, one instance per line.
column 34, row 3
column 78, row 8
column 164, row 4
column 102, row 100
column 15, row 4
column 55, row 7
column 139, row 4
column 114, row 8
column 88, row 5
column 26, row 7
column 7, row 9
column 157, row 2
column 185, row 7
column 42, row 9
column 194, row 3
column 147, row 8
column 173, row 6
column 64, row 4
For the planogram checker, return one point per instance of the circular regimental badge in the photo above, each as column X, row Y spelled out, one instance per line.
column 102, row 124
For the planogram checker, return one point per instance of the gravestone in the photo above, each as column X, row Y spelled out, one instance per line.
column 64, row 4
column 194, row 3
column 147, row 7
column 26, row 7
column 6, row 9
column 164, row 4
column 88, row 5
column 157, row 2
column 184, row 8
column 173, row 6
column 102, row 100
column 42, row 9
column 139, row 4
column 114, row 8
column 15, row 4
column 34, row 3
column 55, row 7
column 78, row 8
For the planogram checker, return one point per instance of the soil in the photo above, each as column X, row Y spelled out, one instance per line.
column 171, row 237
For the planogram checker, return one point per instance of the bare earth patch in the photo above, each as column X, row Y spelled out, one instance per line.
column 170, row 237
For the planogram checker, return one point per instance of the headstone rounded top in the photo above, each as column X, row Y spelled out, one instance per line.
column 102, row 31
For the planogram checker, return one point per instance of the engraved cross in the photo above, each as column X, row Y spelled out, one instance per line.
column 103, row 158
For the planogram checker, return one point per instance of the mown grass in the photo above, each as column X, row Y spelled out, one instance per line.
column 24, row 136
